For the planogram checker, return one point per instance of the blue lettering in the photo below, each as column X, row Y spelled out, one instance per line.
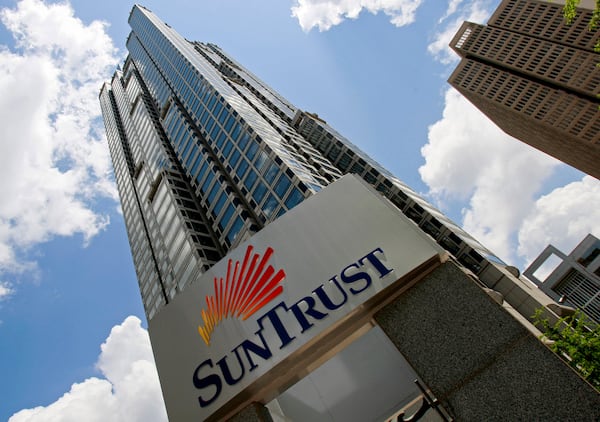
column 376, row 263
column 311, row 311
column 264, row 351
column 227, row 372
column 350, row 278
column 277, row 324
column 326, row 300
column 201, row 383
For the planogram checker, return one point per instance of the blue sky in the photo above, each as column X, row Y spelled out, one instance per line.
column 72, row 341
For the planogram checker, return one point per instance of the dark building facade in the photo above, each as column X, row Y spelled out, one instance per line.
column 536, row 77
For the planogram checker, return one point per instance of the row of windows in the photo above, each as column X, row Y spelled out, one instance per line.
column 166, row 223
column 238, row 150
column 193, row 85
column 268, row 96
column 152, row 76
column 216, row 102
column 545, row 20
column 192, row 155
column 148, row 278
column 573, row 115
column 184, row 142
column 197, row 94
column 175, row 72
column 296, row 153
column 553, row 61
column 412, row 205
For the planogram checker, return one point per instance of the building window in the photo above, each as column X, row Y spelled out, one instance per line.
column 294, row 198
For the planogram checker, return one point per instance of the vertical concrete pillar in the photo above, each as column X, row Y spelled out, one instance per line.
column 255, row 412
column 480, row 362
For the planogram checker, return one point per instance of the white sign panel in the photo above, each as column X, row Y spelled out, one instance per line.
column 279, row 291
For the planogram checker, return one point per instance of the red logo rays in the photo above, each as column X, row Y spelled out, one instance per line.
column 248, row 286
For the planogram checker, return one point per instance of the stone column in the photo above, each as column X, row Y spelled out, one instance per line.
column 256, row 412
column 479, row 361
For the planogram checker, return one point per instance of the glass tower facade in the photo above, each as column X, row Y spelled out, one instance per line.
column 205, row 154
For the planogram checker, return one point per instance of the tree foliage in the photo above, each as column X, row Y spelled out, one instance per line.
column 570, row 12
column 576, row 340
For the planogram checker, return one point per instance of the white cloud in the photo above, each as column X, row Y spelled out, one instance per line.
column 562, row 218
column 5, row 290
column 324, row 14
column 476, row 11
column 53, row 159
column 468, row 158
column 130, row 391
column 452, row 8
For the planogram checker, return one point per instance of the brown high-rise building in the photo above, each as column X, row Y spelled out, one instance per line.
column 536, row 77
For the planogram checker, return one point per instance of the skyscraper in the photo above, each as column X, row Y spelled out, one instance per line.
column 206, row 154
column 206, row 157
column 536, row 77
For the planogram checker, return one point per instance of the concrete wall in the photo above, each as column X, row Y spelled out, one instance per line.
column 478, row 360
column 256, row 412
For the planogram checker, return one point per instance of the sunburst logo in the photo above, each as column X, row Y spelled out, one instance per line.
column 248, row 286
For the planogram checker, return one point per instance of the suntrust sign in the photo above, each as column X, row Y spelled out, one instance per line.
column 248, row 355
column 275, row 300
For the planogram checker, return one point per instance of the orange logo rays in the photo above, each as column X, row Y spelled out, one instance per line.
column 248, row 286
